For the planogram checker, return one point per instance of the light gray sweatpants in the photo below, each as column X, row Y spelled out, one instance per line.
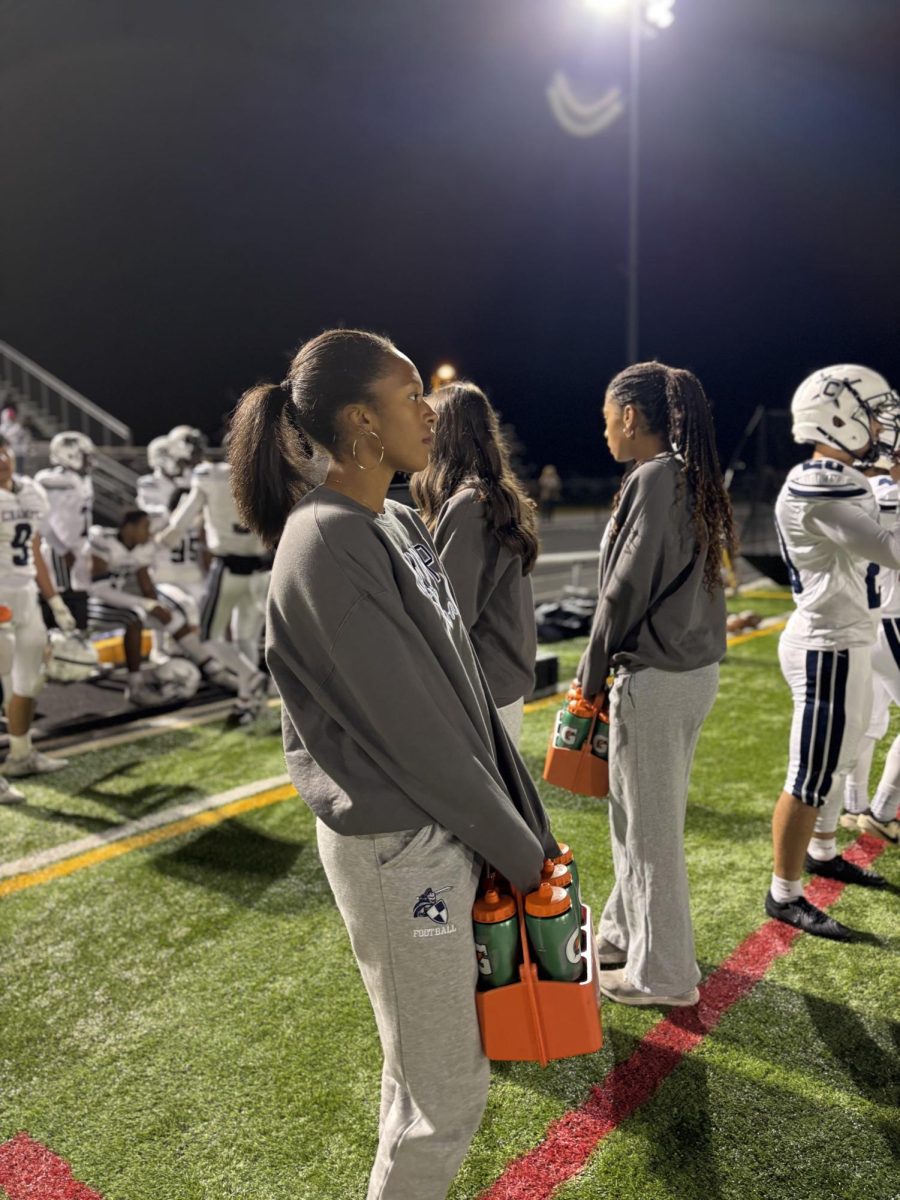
column 406, row 899
column 655, row 719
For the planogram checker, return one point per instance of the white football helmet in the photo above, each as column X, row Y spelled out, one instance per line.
column 159, row 458
column 73, row 450
column 177, row 679
column 72, row 657
column 186, row 445
column 835, row 406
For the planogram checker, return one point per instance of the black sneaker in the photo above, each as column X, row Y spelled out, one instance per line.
column 847, row 872
column 803, row 915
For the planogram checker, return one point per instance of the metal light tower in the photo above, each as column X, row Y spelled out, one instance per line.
column 586, row 119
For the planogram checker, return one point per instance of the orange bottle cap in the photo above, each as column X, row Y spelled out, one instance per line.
column 556, row 873
column 547, row 901
column 565, row 854
column 581, row 708
column 5, row 613
column 493, row 907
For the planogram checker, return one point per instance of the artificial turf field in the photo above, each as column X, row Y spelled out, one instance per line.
column 185, row 1021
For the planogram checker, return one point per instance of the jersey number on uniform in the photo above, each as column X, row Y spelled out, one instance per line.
column 187, row 550
column 21, row 543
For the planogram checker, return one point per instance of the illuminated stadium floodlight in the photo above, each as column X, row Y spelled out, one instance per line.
column 586, row 118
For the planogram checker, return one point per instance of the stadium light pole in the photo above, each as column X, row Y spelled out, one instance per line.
column 587, row 119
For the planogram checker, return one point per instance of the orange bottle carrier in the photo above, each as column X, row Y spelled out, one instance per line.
column 579, row 770
column 537, row 1020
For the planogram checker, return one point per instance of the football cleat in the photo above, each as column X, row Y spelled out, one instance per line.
column 846, row 872
column 803, row 915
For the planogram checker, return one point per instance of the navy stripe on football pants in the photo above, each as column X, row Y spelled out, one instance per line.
column 824, row 722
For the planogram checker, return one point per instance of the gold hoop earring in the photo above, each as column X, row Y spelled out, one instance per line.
column 368, row 433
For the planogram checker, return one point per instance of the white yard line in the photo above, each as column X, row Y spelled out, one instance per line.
column 168, row 816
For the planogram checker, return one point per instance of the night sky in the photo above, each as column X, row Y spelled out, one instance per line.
column 190, row 189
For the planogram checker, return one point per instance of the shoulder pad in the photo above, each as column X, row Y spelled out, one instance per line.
column 887, row 493
column 826, row 479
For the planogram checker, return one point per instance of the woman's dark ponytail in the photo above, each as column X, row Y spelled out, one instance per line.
column 276, row 427
column 267, row 456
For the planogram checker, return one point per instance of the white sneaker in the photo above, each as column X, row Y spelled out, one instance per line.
column 849, row 820
column 888, row 830
column 9, row 794
column 616, row 986
column 34, row 763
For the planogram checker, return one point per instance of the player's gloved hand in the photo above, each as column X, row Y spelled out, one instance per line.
column 61, row 614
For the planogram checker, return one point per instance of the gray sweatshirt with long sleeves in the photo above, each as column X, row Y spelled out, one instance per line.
column 386, row 718
column 496, row 600
column 653, row 610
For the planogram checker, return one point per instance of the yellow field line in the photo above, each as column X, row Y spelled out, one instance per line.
column 736, row 640
column 140, row 841
column 756, row 633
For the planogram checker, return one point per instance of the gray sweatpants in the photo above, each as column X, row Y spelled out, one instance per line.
column 406, row 899
column 655, row 721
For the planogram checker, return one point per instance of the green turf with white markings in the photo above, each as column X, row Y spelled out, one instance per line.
column 187, row 1022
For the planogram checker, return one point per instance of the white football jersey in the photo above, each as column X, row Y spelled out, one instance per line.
column 122, row 563
column 888, row 581
column 71, row 499
column 210, row 495
column 23, row 513
column 826, row 516
column 155, row 492
column 179, row 562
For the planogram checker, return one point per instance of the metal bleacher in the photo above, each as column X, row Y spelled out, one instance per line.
column 51, row 406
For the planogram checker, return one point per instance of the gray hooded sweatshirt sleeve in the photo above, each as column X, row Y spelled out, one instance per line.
column 653, row 609
column 387, row 723
column 495, row 599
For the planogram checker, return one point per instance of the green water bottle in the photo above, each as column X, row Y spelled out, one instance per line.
column 600, row 740
column 571, row 730
column 554, row 930
column 496, row 938
column 567, row 859
column 558, row 875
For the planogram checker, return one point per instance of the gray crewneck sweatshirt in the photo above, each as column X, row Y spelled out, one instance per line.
column 386, row 717
column 496, row 600
column 653, row 610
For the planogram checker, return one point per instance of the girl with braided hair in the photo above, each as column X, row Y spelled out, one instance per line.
column 660, row 627
column 484, row 527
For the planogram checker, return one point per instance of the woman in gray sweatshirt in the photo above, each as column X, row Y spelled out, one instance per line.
column 390, row 733
column 484, row 527
column 660, row 626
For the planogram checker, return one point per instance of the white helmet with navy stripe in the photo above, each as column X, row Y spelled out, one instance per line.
column 835, row 406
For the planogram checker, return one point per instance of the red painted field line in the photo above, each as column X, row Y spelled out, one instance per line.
column 29, row 1171
column 572, row 1139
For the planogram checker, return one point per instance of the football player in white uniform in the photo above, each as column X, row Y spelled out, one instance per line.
column 70, row 491
column 123, row 594
column 237, row 583
column 880, row 817
column 23, row 635
column 182, row 562
column 827, row 522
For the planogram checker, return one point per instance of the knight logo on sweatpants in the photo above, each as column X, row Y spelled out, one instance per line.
column 429, row 906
